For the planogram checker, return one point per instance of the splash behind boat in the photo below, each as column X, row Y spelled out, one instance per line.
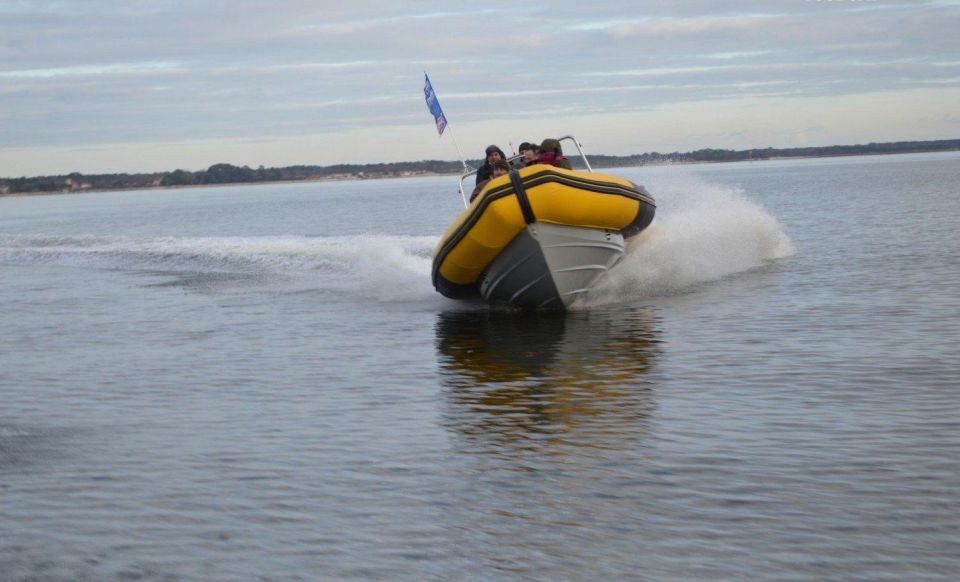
column 540, row 237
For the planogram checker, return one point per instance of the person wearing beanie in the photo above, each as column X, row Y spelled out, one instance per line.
column 486, row 170
column 552, row 155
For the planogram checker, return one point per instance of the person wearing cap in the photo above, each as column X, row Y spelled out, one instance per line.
column 500, row 168
column 486, row 170
column 552, row 155
column 529, row 152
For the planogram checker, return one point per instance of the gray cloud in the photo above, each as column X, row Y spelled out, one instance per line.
column 90, row 72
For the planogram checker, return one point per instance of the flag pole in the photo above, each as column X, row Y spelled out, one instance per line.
column 463, row 160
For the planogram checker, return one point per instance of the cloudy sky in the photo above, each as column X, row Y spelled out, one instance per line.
column 152, row 85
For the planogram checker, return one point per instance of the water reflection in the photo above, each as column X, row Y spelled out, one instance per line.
column 545, row 380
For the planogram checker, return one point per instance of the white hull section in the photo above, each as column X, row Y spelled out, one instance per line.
column 551, row 266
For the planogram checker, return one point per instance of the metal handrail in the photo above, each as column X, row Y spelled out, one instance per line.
column 583, row 156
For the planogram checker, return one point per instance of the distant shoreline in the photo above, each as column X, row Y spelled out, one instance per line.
column 221, row 185
column 228, row 175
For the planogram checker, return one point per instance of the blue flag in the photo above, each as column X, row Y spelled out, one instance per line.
column 434, row 105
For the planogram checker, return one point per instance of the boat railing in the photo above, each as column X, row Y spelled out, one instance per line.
column 513, row 158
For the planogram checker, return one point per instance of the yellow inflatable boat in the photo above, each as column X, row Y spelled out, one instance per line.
column 540, row 237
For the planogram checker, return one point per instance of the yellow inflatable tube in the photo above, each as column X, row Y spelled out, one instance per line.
column 553, row 195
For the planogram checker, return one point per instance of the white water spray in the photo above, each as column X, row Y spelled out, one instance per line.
column 702, row 232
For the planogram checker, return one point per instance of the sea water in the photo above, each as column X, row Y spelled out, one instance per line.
column 259, row 382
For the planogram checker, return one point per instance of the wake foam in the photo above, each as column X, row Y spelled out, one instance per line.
column 702, row 232
column 381, row 267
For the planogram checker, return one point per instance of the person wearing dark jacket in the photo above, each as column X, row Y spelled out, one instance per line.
column 486, row 170
column 552, row 155
column 500, row 168
column 529, row 153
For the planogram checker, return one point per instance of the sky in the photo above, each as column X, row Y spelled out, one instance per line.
column 148, row 85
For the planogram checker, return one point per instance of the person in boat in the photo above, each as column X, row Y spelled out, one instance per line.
column 500, row 168
column 529, row 152
column 486, row 170
column 552, row 155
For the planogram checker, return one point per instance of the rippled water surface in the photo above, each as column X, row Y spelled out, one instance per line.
column 260, row 383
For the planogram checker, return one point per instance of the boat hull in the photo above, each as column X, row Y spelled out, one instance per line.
column 550, row 266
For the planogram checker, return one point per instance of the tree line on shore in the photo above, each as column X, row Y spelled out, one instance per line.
column 230, row 174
